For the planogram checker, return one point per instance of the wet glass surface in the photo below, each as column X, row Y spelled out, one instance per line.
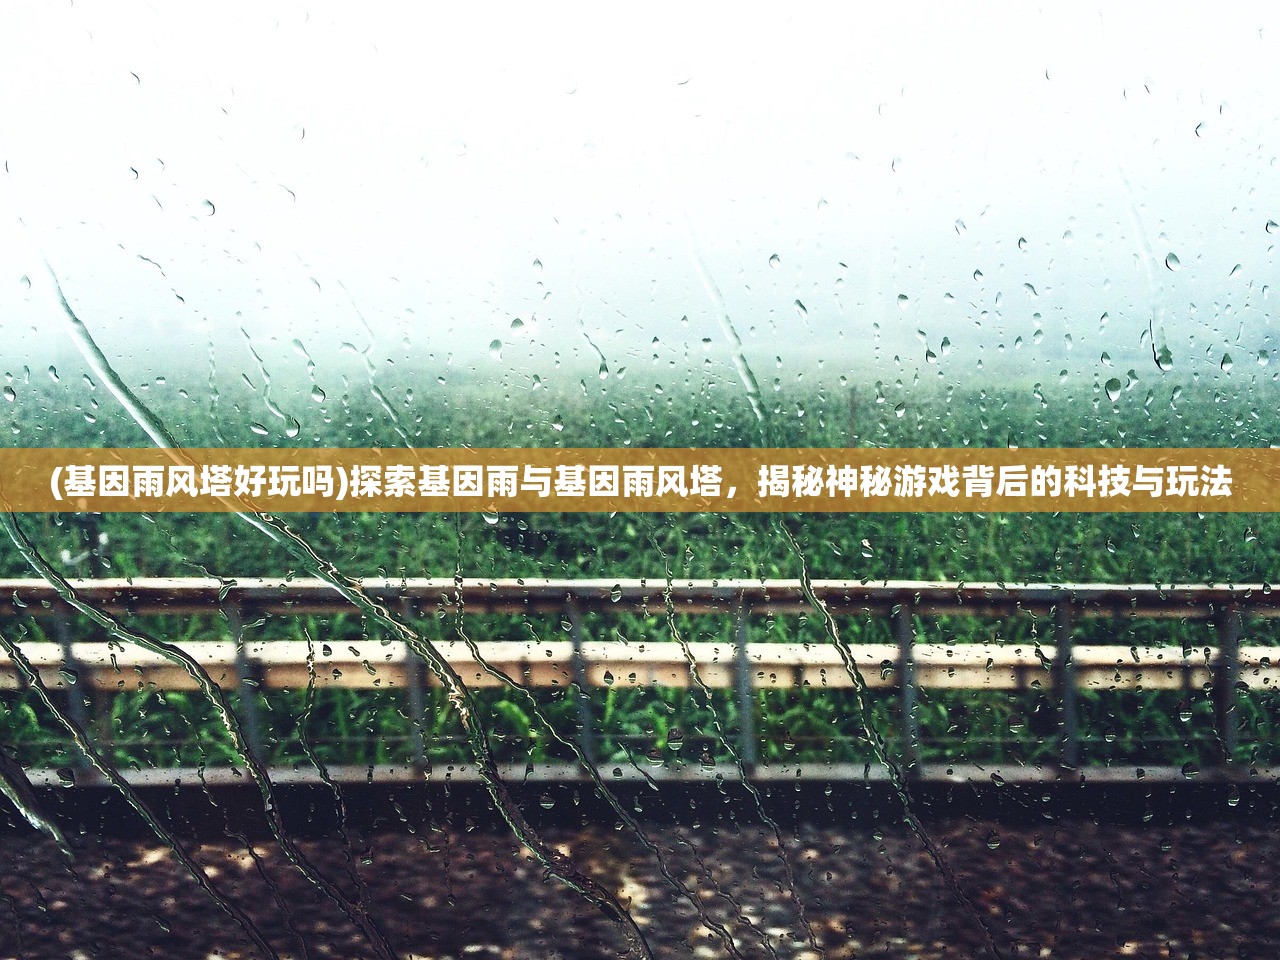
column 302, row 228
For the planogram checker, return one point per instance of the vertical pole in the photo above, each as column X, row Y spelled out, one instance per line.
column 76, row 680
column 1226, row 675
column 586, row 727
column 414, row 670
column 91, row 526
column 744, row 681
column 904, row 627
column 248, row 686
column 1064, row 676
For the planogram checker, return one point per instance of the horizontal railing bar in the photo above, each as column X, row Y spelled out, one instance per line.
column 560, row 772
column 283, row 664
column 928, row 598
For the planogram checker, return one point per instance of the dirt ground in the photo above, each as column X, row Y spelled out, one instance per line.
column 1068, row 889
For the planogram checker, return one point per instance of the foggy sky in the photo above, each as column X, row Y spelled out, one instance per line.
column 412, row 183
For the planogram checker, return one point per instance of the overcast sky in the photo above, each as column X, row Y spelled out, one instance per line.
column 545, row 175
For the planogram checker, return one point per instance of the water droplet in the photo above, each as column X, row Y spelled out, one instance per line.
column 993, row 840
column 1164, row 359
column 517, row 324
column 53, row 373
column 546, row 801
column 9, row 394
column 1022, row 243
column 1190, row 770
column 615, row 594
column 259, row 429
column 317, row 394
column 900, row 410
column 775, row 260
column 1273, row 227
column 490, row 517
column 1172, row 262
column 1226, row 363
column 495, row 349
column 1113, row 388
column 292, row 428
column 609, row 678
column 26, row 282
column 802, row 310
column 209, row 208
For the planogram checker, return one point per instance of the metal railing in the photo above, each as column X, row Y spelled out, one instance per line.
column 1225, row 669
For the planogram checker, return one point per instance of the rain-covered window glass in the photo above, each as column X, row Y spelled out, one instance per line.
column 999, row 686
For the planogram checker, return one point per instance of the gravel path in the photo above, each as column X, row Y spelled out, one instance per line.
column 1066, row 889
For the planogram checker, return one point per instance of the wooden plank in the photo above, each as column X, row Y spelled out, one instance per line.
column 365, row 664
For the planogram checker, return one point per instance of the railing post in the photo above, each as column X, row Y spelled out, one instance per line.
column 586, row 725
column 247, row 685
column 1226, row 676
column 904, row 627
column 744, row 682
column 1064, row 680
column 78, row 701
column 415, row 679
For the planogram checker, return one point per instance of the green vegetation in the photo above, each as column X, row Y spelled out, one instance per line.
column 640, row 726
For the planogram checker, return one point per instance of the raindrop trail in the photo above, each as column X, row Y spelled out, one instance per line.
column 881, row 751
column 653, row 784
column 274, row 887
column 1147, row 255
column 81, row 739
column 593, row 773
column 582, row 329
column 374, row 390
column 272, row 407
column 790, row 891
column 21, row 793
column 213, row 693
column 458, row 693
column 745, row 374
column 214, row 395
column 362, row 889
